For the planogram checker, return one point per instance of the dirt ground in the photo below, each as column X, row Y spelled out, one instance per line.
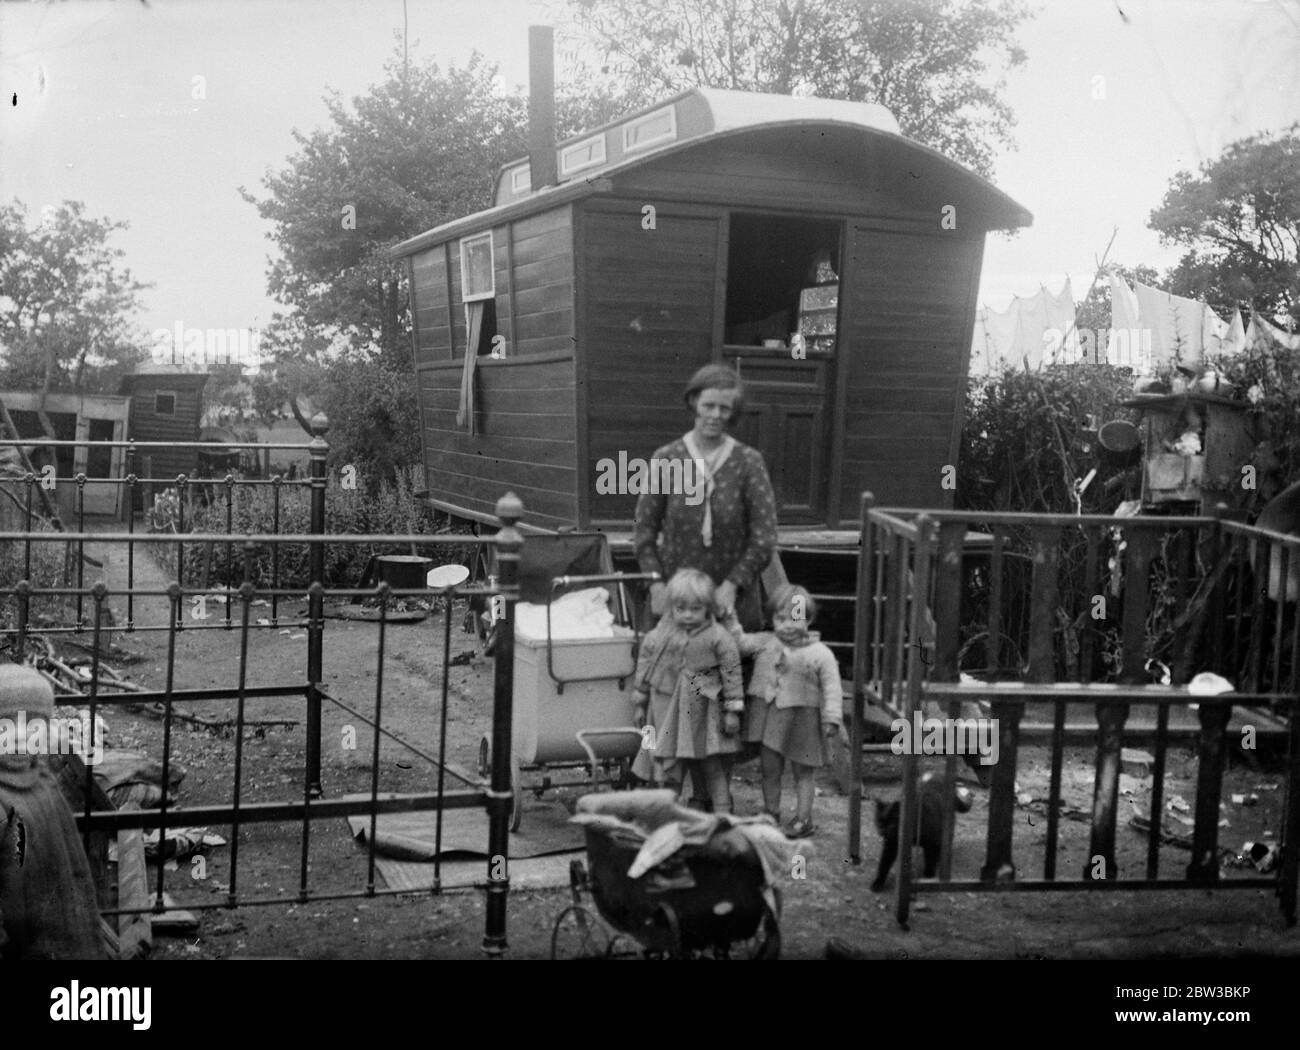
column 833, row 900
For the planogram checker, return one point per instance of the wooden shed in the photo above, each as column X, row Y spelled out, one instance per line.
column 166, row 405
column 88, row 418
column 712, row 227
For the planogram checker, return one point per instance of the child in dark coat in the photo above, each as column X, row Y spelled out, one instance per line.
column 47, row 894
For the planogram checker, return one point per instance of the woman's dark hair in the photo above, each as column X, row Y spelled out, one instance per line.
column 715, row 377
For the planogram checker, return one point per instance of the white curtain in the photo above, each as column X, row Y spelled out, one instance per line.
column 474, row 326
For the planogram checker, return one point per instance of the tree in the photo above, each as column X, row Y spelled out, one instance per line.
column 417, row 150
column 421, row 148
column 374, row 419
column 936, row 64
column 1239, row 220
column 65, row 303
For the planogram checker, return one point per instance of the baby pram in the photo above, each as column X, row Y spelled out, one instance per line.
column 572, row 696
column 678, row 882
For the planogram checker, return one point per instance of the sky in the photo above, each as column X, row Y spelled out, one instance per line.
column 1116, row 97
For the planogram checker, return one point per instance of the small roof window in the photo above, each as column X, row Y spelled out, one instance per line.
column 585, row 154
column 653, row 128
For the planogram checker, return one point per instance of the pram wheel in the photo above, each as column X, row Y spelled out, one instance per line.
column 578, row 880
column 764, row 945
column 485, row 771
column 578, row 934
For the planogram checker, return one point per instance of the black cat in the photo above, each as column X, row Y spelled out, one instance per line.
column 929, row 823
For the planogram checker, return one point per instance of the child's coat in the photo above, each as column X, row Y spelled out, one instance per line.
column 692, row 677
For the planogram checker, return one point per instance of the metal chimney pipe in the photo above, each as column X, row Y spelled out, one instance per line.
column 541, row 107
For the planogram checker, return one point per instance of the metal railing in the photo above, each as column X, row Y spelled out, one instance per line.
column 101, row 689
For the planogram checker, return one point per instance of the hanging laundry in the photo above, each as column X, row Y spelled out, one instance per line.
column 1263, row 333
column 1235, row 343
column 1064, row 316
column 998, row 335
column 1126, row 346
column 1177, row 326
column 1032, row 325
column 1031, row 332
column 1214, row 333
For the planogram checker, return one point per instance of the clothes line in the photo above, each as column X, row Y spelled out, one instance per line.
column 1029, row 333
column 1150, row 329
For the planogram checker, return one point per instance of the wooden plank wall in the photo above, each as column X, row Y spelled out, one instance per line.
column 431, row 307
column 648, row 323
column 909, row 307
column 525, row 436
column 783, row 171
column 542, row 303
column 183, row 426
column 525, row 439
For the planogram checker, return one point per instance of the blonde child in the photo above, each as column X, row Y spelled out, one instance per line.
column 794, row 702
column 689, row 687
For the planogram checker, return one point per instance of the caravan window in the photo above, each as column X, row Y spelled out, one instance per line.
column 477, row 294
column 782, row 278
column 478, row 275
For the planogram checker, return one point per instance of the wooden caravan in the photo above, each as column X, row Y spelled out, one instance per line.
column 713, row 227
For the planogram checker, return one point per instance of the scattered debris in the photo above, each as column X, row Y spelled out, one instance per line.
column 1136, row 763
column 73, row 678
column 174, row 922
column 1262, row 856
column 131, row 777
column 1141, row 821
column 181, row 843
column 1178, row 804
column 1209, row 684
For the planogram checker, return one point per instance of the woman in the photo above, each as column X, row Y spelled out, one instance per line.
column 723, row 521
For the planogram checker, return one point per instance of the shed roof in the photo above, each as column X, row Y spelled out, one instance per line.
column 585, row 162
column 148, row 373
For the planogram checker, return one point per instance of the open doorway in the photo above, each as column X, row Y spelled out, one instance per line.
column 780, row 330
column 782, row 279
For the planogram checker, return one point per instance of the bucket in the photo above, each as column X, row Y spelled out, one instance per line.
column 1119, row 436
column 404, row 572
